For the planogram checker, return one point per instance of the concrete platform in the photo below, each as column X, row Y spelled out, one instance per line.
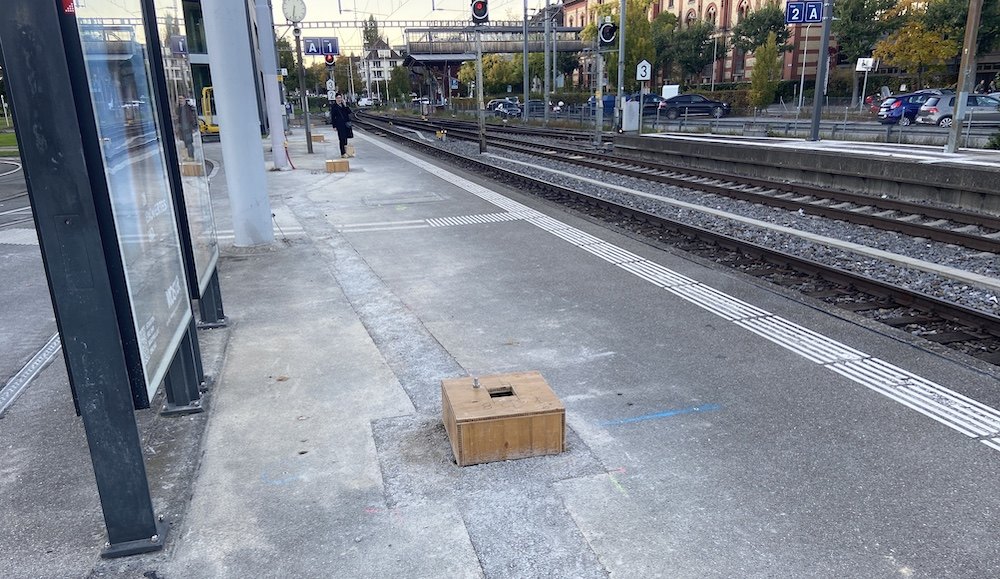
column 966, row 178
column 717, row 427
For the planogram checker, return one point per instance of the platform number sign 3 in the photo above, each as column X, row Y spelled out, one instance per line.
column 643, row 70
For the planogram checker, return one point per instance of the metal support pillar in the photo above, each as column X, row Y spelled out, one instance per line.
column 524, row 60
column 966, row 74
column 823, row 64
column 479, row 90
column 303, row 98
column 199, row 367
column 620, row 99
column 545, row 75
column 210, row 305
column 599, row 101
column 269, row 62
column 233, row 78
column 182, row 383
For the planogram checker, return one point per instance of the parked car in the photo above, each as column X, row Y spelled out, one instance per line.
column 609, row 104
column 494, row 103
column 536, row 107
column 507, row 110
column 902, row 109
column 650, row 102
column 692, row 104
column 938, row 110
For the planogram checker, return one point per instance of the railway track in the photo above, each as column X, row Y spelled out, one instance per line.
column 962, row 228
column 967, row 330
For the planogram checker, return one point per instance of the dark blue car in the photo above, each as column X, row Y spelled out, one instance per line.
column 902, row 109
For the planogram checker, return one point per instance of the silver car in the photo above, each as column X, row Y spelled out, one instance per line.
column 938, row 110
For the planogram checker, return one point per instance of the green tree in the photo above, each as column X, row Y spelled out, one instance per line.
column 638, row 44
column 766, row 73
column 752, row 31
column 566, row 63
column 949, row 17
column 661, row 31
column 346, row 75
column 917, row 50
column 858, row 26
column 498, row 72
column 693, row 47
column 399, row 84
column 316, row 77
column 286, row 60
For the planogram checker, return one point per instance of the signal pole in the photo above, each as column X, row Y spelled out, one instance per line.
column 965, row 74
column 524, row 66
column 620, row 100
column 479, row 90
column 302, row 86
column 821, row 70
column 545, row 74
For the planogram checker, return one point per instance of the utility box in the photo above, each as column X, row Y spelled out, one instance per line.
column 507, row 416
column 337, row 166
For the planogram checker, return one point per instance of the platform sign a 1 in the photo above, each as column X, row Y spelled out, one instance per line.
column 138, row 190
column 320, row 46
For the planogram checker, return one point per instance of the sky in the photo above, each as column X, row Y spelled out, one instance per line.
column 385, row 10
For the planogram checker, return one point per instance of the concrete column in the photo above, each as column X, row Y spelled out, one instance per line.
column 269, row 62
column 236, row 100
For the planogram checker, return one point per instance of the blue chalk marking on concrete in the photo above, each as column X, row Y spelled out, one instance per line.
column 664, row 414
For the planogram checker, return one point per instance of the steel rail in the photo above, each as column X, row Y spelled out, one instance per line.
column 756, row 191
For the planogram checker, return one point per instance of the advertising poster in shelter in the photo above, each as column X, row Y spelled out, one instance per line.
column 114, row 42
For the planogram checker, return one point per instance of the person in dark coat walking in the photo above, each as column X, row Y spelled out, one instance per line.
column 340, row 118
column 187, row 124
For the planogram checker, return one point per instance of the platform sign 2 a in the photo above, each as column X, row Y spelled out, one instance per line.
column 804, row 12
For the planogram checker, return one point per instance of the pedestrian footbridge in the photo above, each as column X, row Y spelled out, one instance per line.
column 429, row 44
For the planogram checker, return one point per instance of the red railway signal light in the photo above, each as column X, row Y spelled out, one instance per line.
column 480, row 12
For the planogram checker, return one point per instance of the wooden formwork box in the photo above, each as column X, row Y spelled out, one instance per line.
column 192, row 169
column 337, row 166
column 508, row 416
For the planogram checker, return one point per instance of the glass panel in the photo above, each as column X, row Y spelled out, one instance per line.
column 114, row 47
column 184, row 104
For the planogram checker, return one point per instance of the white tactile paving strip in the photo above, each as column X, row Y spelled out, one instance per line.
column 933, row 400
column 18, row 237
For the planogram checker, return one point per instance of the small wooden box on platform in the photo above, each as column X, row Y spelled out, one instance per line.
column 319, row 138
column 337, row 166
column 192, row 169
column 508, row 416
